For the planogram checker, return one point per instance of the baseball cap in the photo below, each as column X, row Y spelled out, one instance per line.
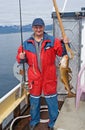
column 38, row 21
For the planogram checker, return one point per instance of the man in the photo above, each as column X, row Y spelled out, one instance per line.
column 40, row 52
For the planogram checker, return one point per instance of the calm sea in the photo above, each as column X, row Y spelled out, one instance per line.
column 8, row 49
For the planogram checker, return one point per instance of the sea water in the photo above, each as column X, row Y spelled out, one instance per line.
column 8, row 49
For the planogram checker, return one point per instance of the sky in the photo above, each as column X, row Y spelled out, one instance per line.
column 9, row 10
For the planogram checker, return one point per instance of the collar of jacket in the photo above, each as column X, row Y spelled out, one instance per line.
column 47, row 38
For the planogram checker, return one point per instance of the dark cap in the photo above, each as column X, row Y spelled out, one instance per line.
column 38, row 21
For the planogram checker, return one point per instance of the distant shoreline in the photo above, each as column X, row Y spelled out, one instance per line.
column 16, row 28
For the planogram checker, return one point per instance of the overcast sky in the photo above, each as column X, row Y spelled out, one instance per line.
column 9, row 10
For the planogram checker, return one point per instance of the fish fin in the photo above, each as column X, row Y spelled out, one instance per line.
column 69, row 70
column 71, row 94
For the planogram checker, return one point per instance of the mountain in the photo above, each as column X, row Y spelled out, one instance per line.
column 16, row 28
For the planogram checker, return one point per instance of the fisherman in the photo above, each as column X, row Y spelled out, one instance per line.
column 40, row 52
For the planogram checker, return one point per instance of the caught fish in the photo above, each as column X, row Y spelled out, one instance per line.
column 65, row 74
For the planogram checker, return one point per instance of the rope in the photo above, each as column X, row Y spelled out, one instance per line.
column 64, row 5
column 19, row 117
column 45, row 109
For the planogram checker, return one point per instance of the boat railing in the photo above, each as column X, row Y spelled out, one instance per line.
column 16, row 98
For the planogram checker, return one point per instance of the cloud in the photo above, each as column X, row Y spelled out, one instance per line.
column 9, row 10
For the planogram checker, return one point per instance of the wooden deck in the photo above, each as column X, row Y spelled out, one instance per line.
column 23, row 124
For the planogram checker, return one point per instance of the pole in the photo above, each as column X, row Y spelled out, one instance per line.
column 24, row 77
column 23, row 61
column 62, row 28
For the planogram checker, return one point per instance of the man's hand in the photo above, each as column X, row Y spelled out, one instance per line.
column 65, row 39
column 22, row 55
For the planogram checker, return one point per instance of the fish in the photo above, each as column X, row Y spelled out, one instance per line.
column 65, row 75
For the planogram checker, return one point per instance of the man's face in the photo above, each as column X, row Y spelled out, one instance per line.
column 38, row 30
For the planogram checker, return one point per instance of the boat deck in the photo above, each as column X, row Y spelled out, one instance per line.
column 71, row 118
column 23, row 124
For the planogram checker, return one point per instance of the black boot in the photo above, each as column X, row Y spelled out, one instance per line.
column 51, row 128
column 31, row 127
